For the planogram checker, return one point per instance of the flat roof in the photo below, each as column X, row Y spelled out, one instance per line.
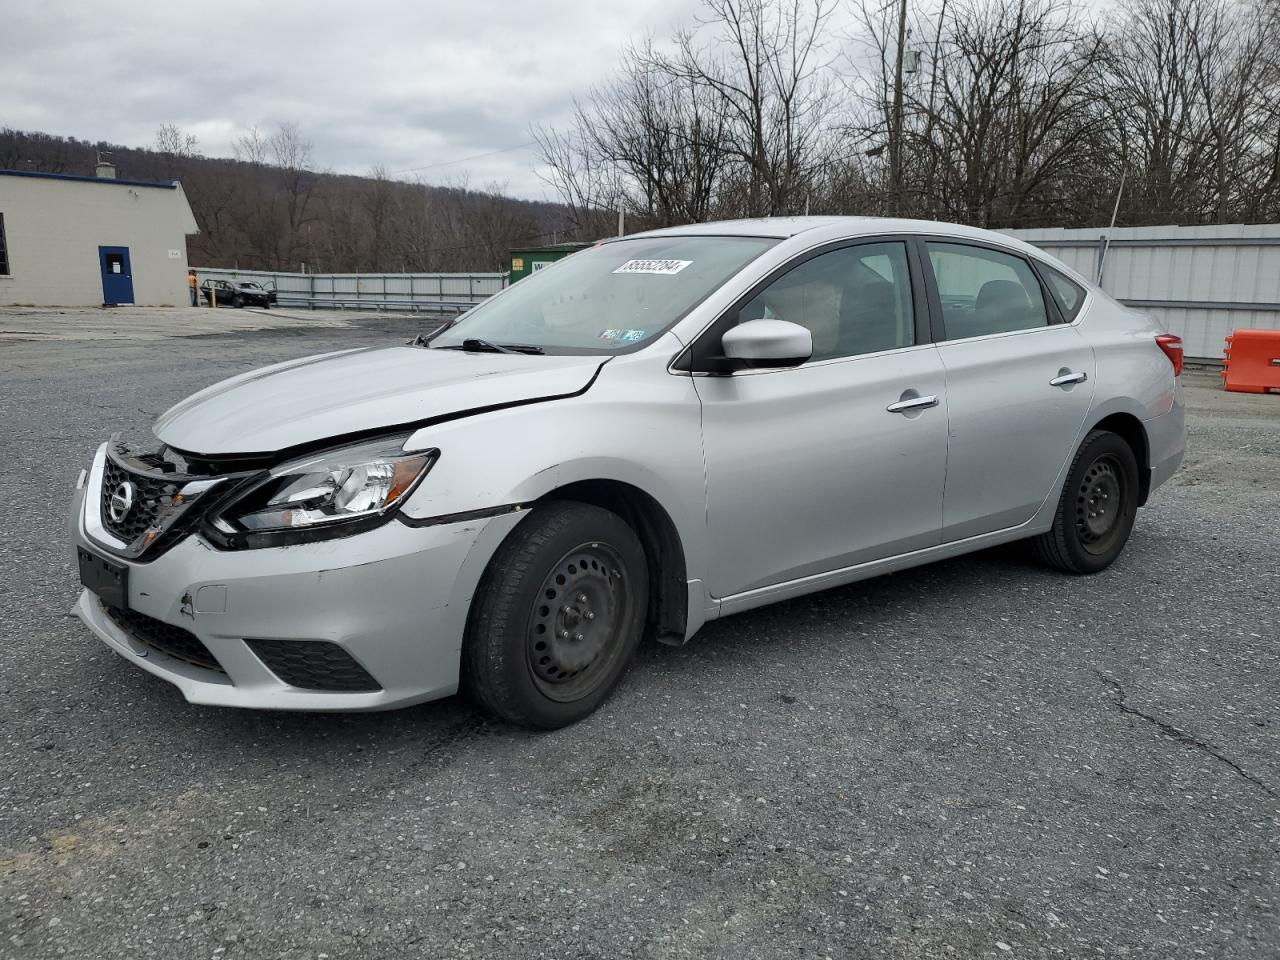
column 39, row 174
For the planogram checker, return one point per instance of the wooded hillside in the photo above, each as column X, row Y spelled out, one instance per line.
column 272, row 209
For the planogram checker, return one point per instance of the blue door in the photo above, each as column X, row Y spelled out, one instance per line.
column 117, row 278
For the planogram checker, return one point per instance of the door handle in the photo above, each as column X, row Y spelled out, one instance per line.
column 915, row 403
column 1063, row 379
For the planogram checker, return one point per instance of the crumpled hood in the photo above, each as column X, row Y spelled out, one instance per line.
column 333, row 394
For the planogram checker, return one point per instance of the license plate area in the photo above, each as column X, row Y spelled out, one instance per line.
column 106, row 578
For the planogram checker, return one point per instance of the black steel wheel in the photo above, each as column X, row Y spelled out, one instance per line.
column 237, row 301
column 557, row 616
column 580, row 610
column 1097, row 508
column 1098, row 505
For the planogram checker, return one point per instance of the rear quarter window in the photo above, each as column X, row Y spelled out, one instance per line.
column 1066, row 293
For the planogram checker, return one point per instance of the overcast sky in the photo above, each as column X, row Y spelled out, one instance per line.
column 402, row 83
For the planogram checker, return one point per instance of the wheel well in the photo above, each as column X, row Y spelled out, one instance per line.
column 1129, row 428
column 668, row 583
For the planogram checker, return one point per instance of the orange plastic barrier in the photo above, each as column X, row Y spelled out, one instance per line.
column 1252, row 363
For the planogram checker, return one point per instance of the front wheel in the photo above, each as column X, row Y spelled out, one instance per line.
column 1096, row 511
column 237, row 301
column 557, row 616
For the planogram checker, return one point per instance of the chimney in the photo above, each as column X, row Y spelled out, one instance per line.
column 105, row 170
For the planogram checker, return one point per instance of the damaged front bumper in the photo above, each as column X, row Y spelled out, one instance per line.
column 389, row 603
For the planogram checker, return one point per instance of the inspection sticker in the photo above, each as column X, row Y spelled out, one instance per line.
column 630, row 335
column 653, row 266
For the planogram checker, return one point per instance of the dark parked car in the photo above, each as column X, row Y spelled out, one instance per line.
column 238, row 293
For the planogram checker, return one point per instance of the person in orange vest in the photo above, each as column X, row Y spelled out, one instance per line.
column 191, row 283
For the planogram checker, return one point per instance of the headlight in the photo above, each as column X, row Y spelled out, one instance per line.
column 329, row 494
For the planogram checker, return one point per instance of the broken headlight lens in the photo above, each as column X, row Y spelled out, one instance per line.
column 363, row 482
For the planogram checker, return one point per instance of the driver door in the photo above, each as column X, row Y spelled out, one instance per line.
column 807, row 468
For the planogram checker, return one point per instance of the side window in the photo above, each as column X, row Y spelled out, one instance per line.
column 985, row 291
column 1068, row 294
column 853, row 300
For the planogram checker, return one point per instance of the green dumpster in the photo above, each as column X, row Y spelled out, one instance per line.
column 527, row 260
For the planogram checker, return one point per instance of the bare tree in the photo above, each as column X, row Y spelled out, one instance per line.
column 1228, row 67
column 1193, row 86
column 175, row 142
column 251, row 147
column 1002, row 125
column 663, row 137
column 765, row 61
column 278, row 209
column 585, row 183
column 377, row 199
column 729, row 122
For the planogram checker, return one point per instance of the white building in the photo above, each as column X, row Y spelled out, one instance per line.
column 83, row 241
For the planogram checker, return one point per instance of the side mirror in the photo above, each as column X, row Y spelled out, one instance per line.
column 768, row 343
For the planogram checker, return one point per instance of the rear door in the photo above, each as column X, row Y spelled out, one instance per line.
column 1019, row 384
column 808, row 469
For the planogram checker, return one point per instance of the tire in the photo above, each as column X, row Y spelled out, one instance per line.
column 237, row 301
column 1096, row 511
column 557, row 616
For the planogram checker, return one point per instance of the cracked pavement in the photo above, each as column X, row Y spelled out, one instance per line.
column 1181, row 736
column 976, row 758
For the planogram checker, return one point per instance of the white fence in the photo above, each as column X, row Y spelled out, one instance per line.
column 430, row 292
column 1200, row 282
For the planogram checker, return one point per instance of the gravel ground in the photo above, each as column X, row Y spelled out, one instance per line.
column 158, row 323
column 977, row 758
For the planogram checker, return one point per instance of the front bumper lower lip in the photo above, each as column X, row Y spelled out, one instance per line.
column 395, row 598
column 209, row 687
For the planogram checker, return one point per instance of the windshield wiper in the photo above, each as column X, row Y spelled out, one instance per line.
column 476, row 345
column 422, row 339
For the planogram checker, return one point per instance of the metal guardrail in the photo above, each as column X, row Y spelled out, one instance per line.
column 412, row 292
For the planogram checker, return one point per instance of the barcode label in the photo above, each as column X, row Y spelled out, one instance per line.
column 653, row 266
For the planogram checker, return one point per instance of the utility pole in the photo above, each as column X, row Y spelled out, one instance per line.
column 895, row 133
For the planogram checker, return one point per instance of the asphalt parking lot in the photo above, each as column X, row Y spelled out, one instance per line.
column 977, row 758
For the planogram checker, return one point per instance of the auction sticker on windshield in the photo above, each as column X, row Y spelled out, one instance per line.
column 653, row 266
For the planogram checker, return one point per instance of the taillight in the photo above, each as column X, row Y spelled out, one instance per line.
column 1172, row 347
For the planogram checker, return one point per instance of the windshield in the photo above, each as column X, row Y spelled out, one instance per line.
column 250, row 285
column 610, row 298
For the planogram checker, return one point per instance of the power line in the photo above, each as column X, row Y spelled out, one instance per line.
column 478, row 156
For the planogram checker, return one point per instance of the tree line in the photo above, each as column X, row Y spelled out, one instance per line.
column 272, row 208
column 998, row 113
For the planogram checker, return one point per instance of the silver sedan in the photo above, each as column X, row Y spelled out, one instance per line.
column 655, row 432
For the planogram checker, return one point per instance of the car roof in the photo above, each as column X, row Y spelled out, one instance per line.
column 823, row 229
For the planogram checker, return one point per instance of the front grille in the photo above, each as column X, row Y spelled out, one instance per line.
column 150, row 496
column 313, row 665
column 176, row 642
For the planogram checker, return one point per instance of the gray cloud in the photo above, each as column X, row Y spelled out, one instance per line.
column 398, row 83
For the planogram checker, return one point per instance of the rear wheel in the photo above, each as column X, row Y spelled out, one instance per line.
column 237, row 301
column 1096, row 511
column 557, row 616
